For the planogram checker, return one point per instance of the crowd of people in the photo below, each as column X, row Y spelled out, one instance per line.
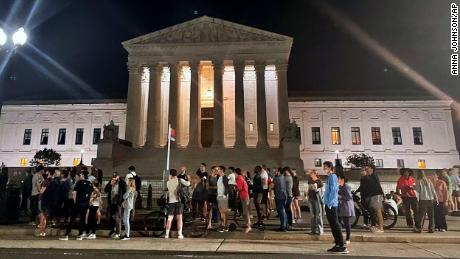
column 63, row 196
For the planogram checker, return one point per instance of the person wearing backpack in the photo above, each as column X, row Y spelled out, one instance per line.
column 175, row 207
column 222, row 197
column 138, row 182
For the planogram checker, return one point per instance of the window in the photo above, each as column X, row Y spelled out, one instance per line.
column 44, row 137
column 271, row 127
column 79, row 136
column 379, row 163
column 355, row 136
column 96, row 135
column 335, row 135
column 251, row 127
column 61, row 137
column 396, row 131
column 24, row 161
column 315, row 135
column 27, row 136
column 421, row 164
column 400, row 163
column 418, row 138
column 318, row 162
column 376, row 137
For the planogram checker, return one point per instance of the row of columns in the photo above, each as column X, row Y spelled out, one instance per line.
column 154, row 104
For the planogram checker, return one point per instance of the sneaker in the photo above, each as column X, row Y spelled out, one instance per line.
column 42, row 234
column 64, row 238
column 220, row 230
column 91, row 237
column 125, row 238
column 115, row 236
column 330, row 250
column 166, row 236
column 443, row 230
column 79, row 238
column 180, row 236
column 246, row 230
column 342, row 250
column 84, row 235
column 347, row 242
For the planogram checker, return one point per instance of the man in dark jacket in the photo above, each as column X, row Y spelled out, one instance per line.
column 375, row 197
column 115, row 190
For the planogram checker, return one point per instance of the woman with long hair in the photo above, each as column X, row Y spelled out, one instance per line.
column 295, row 207
column 426, row 195
column 128, row 204
column 405, row 188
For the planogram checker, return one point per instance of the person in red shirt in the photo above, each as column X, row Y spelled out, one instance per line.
column 243, row 192
column 405, row 188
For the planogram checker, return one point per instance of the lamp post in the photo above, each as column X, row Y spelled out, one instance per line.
column 9, row 43
column 337, row 160
column 81, row 156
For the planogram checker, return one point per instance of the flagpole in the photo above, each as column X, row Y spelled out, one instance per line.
column 168, row 156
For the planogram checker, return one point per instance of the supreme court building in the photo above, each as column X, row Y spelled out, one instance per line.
column 223, row 88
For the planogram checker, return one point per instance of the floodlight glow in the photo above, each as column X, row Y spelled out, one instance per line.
column 3, row 37
column 20, row 37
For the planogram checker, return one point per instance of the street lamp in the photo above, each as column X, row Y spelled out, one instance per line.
column 18, row 38
column 81, row 156
column 337, row 153
column 3, row 37
column 337, row 160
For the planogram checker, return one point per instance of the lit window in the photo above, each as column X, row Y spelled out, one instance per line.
column 251, row 127
column 376, row 136
column 79, row 136
column 397, row 139
column 316, row 135
column 24, row 161
column 335, row 135
column 76, row 161
column 355, row 136
column 44, row 137
column 27, row 137
column 421, row 164
column 61, row 136
column 379, row 163
column 418, row 138
column 318, row 162
column 272, row 127
column 96, row 135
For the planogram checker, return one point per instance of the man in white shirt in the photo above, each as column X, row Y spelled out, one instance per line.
column 222, row 197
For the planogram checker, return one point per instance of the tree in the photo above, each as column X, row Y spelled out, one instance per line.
column 360, row 160
column 46, row 157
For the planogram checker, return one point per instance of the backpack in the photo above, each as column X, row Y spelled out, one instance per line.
column 138, row 182
column 184, row 193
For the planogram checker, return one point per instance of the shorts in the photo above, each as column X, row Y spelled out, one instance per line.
column 375, row 202
column 212, row 198
column 222, row 203
column 257, row 197
column 264, row 196
column 175, row 209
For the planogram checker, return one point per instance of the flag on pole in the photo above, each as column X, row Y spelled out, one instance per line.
column 172, row 134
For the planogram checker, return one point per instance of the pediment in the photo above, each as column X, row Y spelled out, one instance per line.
column 206, row 30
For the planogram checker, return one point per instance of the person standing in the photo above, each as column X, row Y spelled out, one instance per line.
column 362, row 189
column 289, row 186
column 243, row 191
column 138, row 181
column 81, row 195
column 199, row 193
column 212, row 196
column 296, row 213
column 426, row 196
column 455, row 188
column 440, row 210
column 26, row 187
column 281, row 197
column 257, row 190
column 37, row 180
column 405, row 188
column 44, row 202
column 175, row 207
column 222, row 198
column 315, row 202
column 331, row 202
column 375, row 198
column 128, row 204
column 115, row 190
column 346, row 206
column 95, row 203
column 265, row 184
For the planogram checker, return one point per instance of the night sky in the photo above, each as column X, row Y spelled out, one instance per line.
column 75, row 46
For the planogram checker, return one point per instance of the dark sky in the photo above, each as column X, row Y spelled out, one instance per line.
column 75, row 46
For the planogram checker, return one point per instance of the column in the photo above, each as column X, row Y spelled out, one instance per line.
column 154, row 107
column 283, row 107
column 133, row 111
column 173, row 118
column 195, row 105
column 240, row 140
column 218, row 136
column 261, row 106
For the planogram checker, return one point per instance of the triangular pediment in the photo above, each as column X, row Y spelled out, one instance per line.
column 206, row 30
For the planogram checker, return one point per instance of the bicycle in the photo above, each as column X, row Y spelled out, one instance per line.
column 390, row 217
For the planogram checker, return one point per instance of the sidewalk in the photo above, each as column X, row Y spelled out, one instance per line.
column 300, row 232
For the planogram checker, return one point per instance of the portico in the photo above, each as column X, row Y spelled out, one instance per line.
column 222, row 86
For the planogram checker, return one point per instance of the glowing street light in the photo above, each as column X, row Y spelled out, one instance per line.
column 19, row 37
column 337, row 153
column 81, row 156
column 3, row 37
